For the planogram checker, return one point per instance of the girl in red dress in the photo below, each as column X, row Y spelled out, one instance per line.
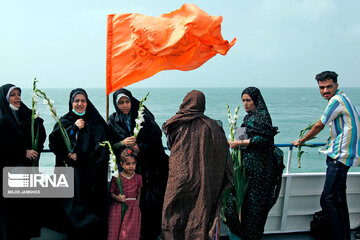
column 127, row 227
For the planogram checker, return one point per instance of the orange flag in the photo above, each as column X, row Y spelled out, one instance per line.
column 140, row 46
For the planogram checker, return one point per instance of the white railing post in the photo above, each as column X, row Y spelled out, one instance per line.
column 289, row 159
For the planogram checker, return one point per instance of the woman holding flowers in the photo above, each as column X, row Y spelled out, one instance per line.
column 200, row 169
column 152, row 162
column 261, row 169
column 17, row 150
column 87, row 210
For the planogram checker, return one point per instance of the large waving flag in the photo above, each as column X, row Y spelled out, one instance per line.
column 140, row 46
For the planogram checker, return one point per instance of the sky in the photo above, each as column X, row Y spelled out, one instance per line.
column 280, row 43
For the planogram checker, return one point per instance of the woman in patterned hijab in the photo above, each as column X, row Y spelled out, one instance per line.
column 261, row 169
column 200, row 169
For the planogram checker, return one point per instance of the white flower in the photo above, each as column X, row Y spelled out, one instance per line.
column 37, row 114
column 34, row 95
column 112, row 165
column 236, row 116
column 229, row 136
column 51, row 102
column 233, row 131
column 45, row 102
column 140, row 116
column 233, row 121
column 136, row 131
column 54, row 116
column 115, row 173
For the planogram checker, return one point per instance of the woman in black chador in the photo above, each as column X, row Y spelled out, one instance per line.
column 263, row 168
column 16, row 150
column 152, row 162
column 85, row 213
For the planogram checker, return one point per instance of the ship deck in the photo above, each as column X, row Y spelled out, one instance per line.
column 47, row 234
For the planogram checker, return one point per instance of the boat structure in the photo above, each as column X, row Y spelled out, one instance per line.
column 299, row 199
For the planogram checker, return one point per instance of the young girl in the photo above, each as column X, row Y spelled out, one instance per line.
column 128, row 227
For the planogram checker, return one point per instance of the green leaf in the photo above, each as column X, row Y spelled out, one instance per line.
column 302, row 134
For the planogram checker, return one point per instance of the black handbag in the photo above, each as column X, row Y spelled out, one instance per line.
column 318, row 226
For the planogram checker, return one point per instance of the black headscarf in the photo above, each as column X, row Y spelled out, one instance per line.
column 4, row 102
column 23, row 113
column 95, row 130
column 91, row 114
column 119, row 127
column 263, row 123
column 134, row 107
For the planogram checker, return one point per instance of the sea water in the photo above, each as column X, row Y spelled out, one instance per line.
column 291, row 109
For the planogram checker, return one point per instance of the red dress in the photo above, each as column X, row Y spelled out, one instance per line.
column 130, row 227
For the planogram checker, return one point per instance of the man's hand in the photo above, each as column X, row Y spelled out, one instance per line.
column 310, row 135
column 297, row 142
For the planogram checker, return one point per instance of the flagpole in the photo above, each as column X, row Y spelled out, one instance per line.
column 107, row 108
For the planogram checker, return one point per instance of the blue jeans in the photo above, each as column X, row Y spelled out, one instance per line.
column 333, row 200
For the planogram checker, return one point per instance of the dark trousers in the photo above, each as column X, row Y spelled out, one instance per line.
column 333, row 200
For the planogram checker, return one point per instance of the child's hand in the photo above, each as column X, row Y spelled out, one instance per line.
column 121, row 198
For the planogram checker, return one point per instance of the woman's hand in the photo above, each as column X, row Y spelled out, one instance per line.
column 72, row 156
column 80, row 123
column 32, row 154
column 129, row 141
column 238, row 143
column 136, row 148
column 234, row 144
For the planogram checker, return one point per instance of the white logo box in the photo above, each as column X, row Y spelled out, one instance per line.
column 27, row 182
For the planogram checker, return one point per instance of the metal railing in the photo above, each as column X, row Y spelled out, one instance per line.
column 280, row 145
column 291, row 147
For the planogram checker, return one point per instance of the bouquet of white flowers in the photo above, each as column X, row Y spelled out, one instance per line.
column 52, row 110
column 140, row 118
column 113, row 169
column 35, row 114
column 240, row 180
